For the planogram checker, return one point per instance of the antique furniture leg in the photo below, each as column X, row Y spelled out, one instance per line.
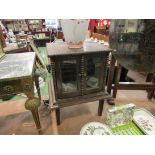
column 32, row 103
column 151, row 93
column 117, row 78
column 52, row 108
column 110, row 101
column 111, row 74
column 100, row 107
column 58, row 115
column 54, row 122
column 149, row 77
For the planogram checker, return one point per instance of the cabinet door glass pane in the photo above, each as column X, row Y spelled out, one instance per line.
column 93, row 72
column 69, row 75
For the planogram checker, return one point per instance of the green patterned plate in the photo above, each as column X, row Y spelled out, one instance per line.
column 95, row 128
column 145, row 121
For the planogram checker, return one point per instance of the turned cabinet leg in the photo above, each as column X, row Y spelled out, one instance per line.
column 117, row 78
column 100, row 107
column 58, row 115
column 110, row 101
column 111, row 75
column 151, row 93
column 149, row 79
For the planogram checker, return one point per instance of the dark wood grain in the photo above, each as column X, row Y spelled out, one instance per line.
column 100, row 107
column 117, row 78
column 111, row 74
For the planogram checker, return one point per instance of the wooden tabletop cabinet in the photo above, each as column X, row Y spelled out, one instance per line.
column 79, row 75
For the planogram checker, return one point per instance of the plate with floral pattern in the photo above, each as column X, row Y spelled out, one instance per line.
column 95, row 128
column 145, row 121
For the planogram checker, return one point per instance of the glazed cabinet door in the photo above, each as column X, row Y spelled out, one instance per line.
column 68, row 79
column 94, row 73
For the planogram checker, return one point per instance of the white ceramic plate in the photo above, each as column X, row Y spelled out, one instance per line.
column 95, row 128
column 145, row 121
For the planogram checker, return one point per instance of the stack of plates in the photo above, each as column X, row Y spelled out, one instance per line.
column 142, row 118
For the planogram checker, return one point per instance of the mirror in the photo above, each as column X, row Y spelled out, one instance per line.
column 134, row 43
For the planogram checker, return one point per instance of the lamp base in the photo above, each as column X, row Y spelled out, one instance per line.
column 75, row 45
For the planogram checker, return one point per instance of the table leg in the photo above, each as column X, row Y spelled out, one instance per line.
column 149, row 77
column 100, row 107
column 110, row 101
column 32, row 103
column 151, row 93
column 54, row 122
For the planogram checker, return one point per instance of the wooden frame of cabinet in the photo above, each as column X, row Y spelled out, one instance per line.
column 81, row 76
column 58, row 53
column 58, row 62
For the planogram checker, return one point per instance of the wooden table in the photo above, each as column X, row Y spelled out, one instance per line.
column 17, row 75
column 149, row 85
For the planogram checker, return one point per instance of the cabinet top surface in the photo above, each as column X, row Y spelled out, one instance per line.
column 14, row 66
column 56, row 49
